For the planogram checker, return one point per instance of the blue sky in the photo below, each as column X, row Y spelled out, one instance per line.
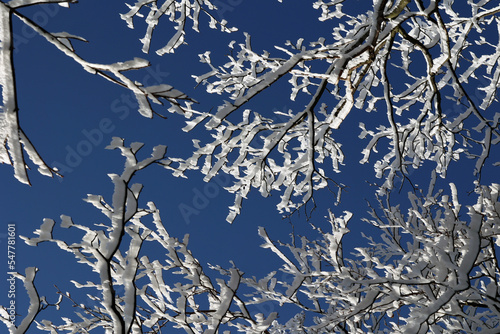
column 71, row 116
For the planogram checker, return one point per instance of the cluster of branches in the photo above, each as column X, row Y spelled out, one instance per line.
column 432, row 271
column 287, row 154
column 438, row 39
column 13, row 137
column 149, row 300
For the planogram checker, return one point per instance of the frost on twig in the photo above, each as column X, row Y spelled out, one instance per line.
column 8, row 315
column 11, row 135
column 178, row 12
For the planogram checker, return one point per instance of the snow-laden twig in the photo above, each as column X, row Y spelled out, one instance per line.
column 178, row 12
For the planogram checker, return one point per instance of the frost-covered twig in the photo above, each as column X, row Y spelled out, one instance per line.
column 11, row 134
column 178, row 12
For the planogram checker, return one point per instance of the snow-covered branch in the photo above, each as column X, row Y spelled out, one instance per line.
column 11, row 134
column 178, row 12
